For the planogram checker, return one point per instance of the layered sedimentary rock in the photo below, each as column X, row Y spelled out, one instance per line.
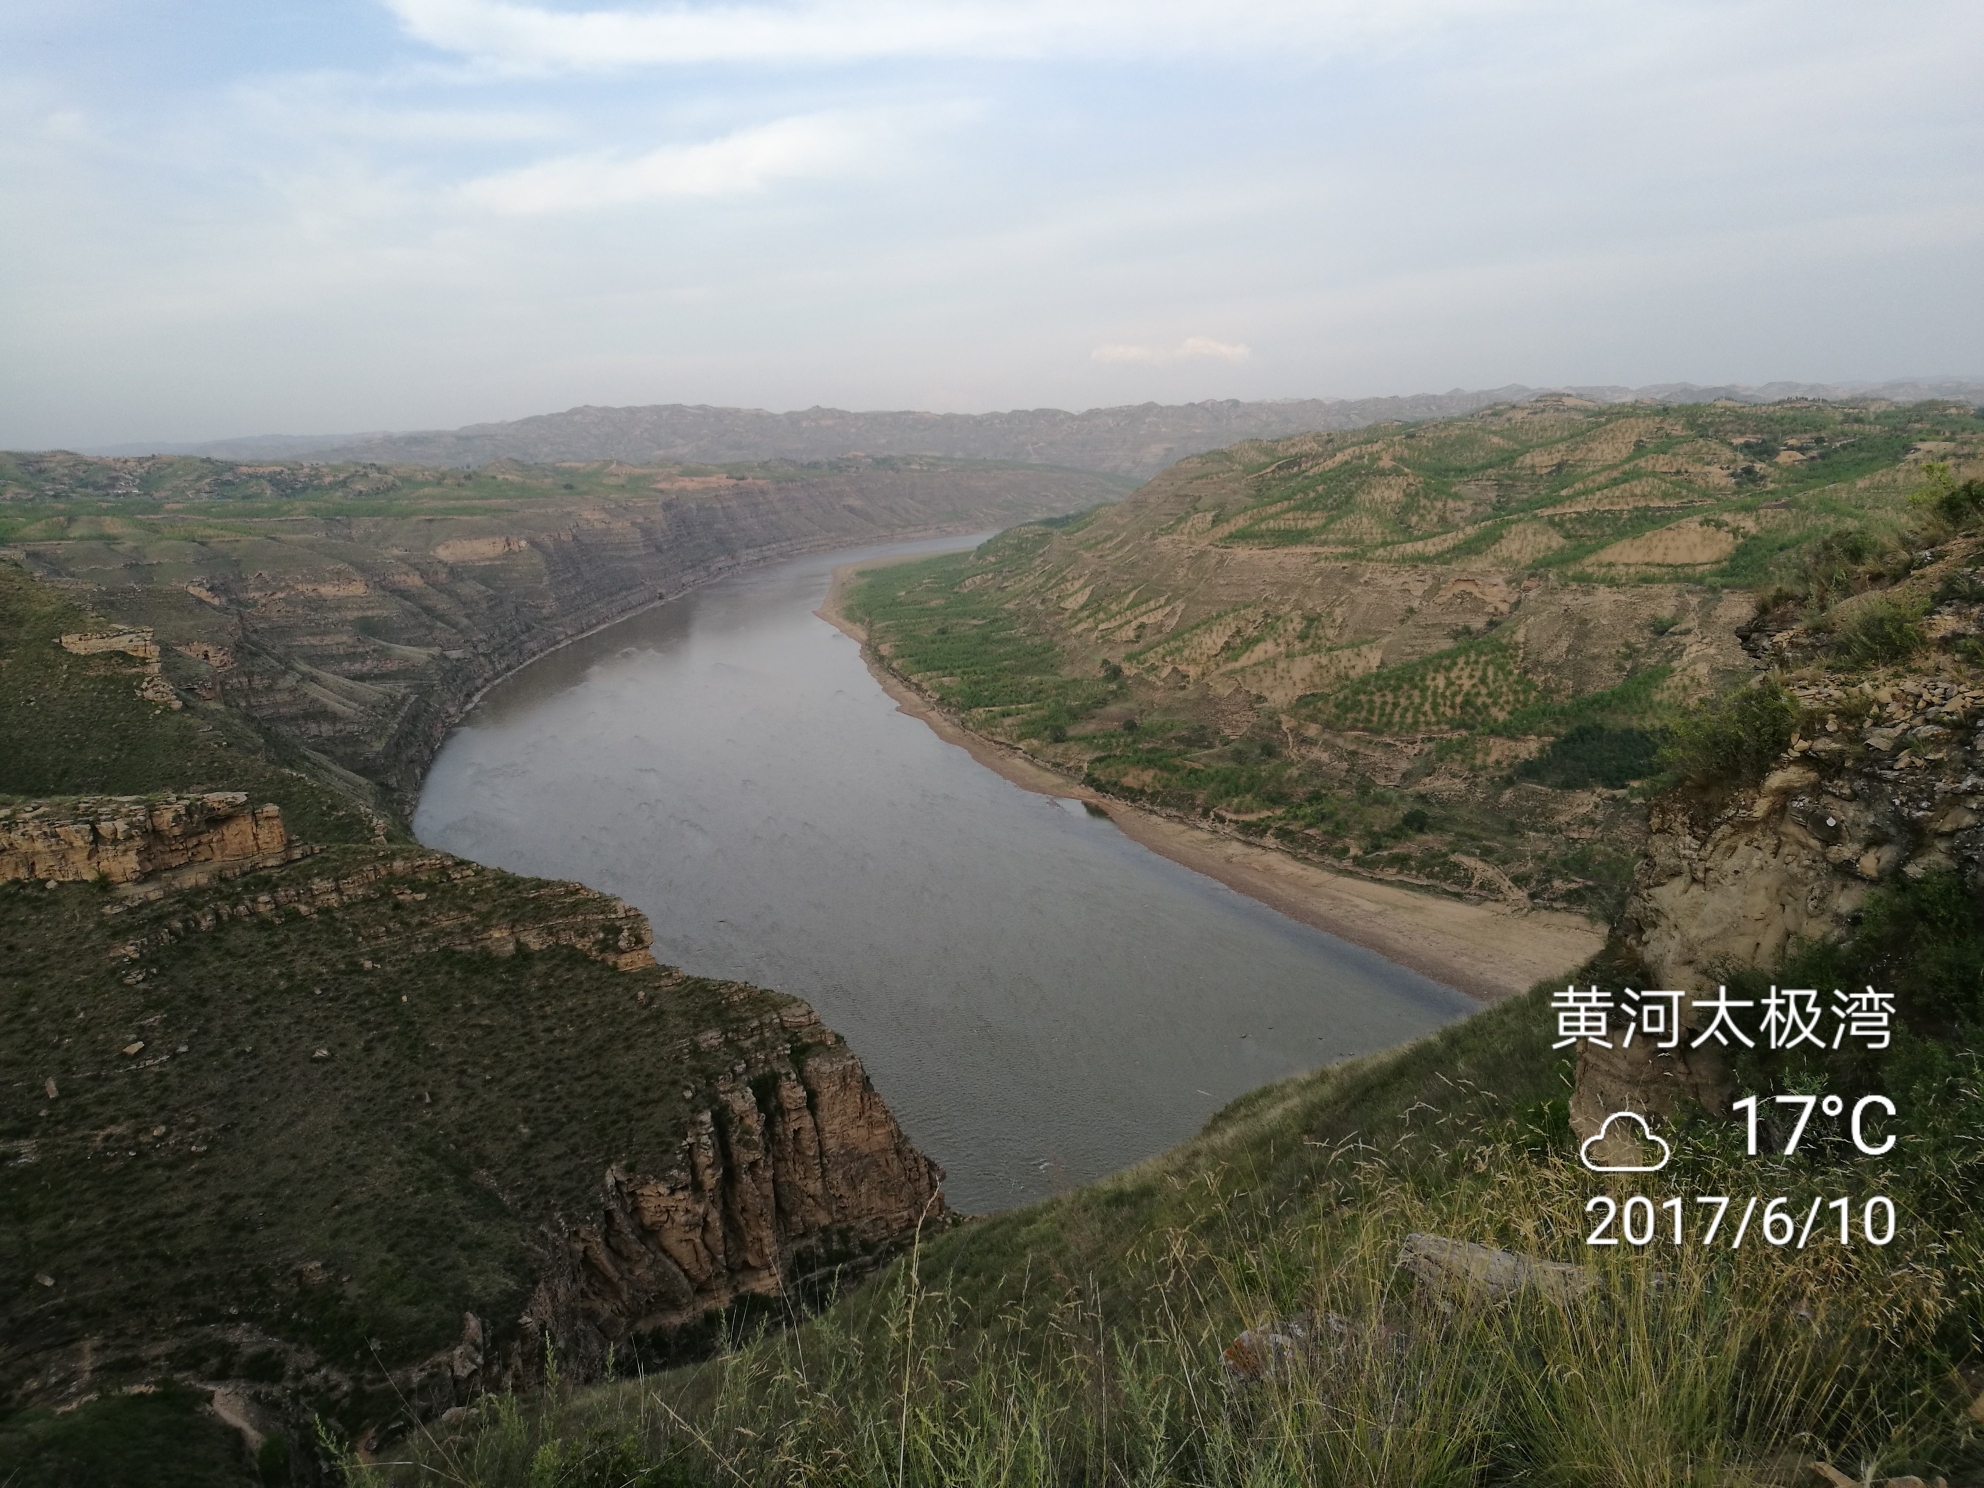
column 1885, row 781
column 554, row 914
column 128, row 640
column 376, row 631
column 125, row 838
column 793, row 1168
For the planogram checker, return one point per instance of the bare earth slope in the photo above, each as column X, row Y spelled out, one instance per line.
column 1439, row 653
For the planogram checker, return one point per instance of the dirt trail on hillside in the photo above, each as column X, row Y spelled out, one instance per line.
column 1489, row 951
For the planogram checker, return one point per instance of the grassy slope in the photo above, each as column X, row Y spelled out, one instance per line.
column 1066, row 636
column 72, row 725
column 415, row 1162
column 467, row 1100
column 109, row 490
column 1079, row 1340
column 164, row 1438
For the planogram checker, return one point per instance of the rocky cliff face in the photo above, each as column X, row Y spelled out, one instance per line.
column 358, row 635
column 793, row 1168
column 122, row 839
column 1883, row 782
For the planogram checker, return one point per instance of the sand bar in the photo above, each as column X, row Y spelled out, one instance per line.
column 1489, row 951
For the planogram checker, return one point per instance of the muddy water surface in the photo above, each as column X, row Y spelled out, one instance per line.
column 1040, row 999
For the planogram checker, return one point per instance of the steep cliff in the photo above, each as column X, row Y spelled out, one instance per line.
column 121, row 839
column 351, row 614
column 278, row 1133
column 1876, row 788
column 795, row 1172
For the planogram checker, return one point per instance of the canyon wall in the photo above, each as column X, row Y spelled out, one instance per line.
column 121, row 839
column 364, row 1096
column 359, row 635
column 795, row 1168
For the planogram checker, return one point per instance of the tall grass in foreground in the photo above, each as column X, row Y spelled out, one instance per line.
column 1708, row 1369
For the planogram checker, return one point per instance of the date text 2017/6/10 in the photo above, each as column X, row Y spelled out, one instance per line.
column 1639, row 1220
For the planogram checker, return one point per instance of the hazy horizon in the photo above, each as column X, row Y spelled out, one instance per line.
column 230, row 220
column 1975, row 386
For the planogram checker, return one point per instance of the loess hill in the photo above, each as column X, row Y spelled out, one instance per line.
column 1378, row 1272
column 1441, row 652
column 308, row 1120
column 351, row 612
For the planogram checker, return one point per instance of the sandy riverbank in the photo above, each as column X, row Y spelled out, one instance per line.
column 1487, row 951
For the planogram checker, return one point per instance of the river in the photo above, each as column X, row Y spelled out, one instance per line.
column 1039, row 999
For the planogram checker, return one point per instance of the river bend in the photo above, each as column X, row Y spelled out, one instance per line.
column 1039, row 999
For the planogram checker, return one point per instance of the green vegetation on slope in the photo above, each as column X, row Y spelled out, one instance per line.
column 339, row 1125
column 73, row 725
column 985, row 659
column 164, row 1437
column 937, row 626
column 280, row 1131
column 1577, row 478
column 1080, row 1341
column 1467, row 676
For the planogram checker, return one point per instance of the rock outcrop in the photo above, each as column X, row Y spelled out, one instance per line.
column 794, row 1168
column 127, row 640
column 122, row 839
column 555, row 914
column 1885, row 781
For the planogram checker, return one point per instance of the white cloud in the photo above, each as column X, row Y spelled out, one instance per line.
column 534, row 36
column 749, row 160
column 1163, row 356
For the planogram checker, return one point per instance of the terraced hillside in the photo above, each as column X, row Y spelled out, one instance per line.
column 351, row 612
column 1441, row 651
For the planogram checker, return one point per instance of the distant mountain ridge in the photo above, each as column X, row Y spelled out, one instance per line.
column 1133, row 440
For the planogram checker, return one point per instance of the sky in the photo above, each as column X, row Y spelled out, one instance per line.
column 229, row 217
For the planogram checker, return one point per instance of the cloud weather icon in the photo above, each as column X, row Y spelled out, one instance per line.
column 1646, row 1134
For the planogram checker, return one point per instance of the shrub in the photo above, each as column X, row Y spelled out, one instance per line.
column 1734, row 740
column 1594, row 754
column 1960, row 505
column 1415, row 820
column 1966, row 585
column 1776, row 598
column 1888, row 630
column 1836, row 562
